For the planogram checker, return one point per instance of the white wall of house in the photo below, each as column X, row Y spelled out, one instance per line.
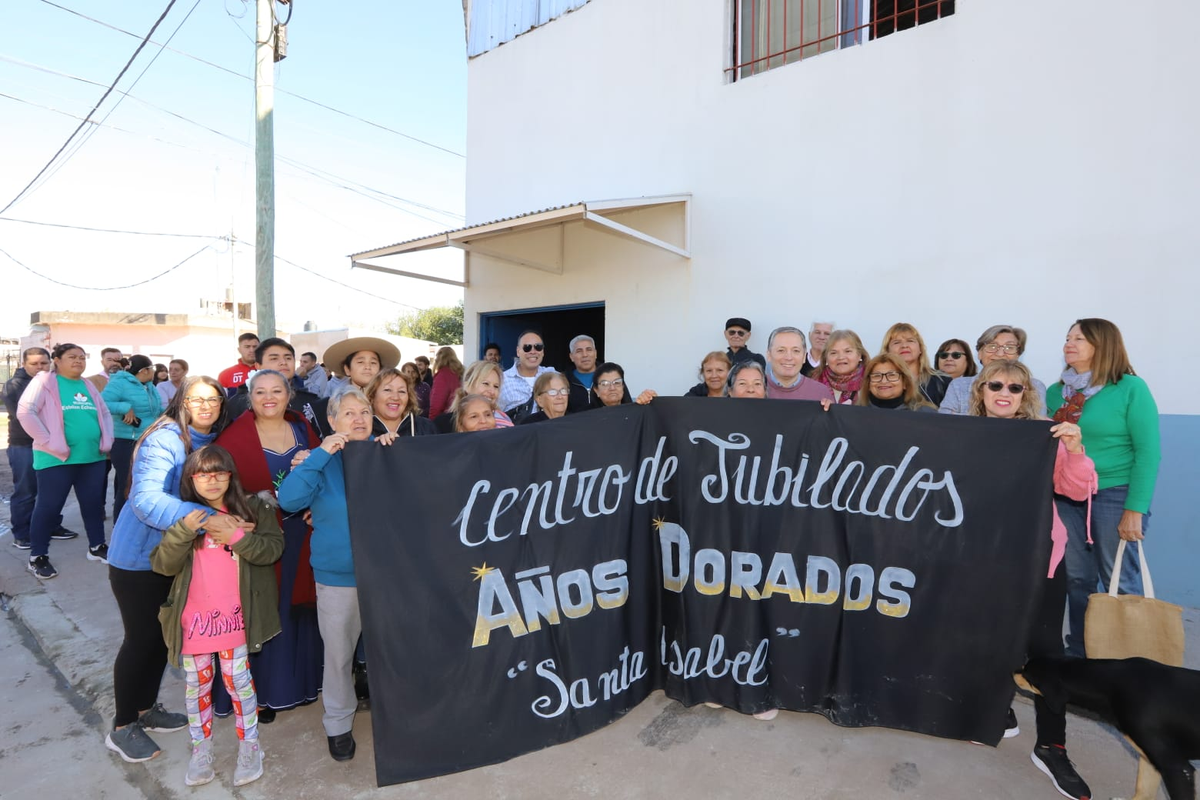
column 1022, row 162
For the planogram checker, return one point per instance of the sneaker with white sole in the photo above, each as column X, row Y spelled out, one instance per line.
column 132, row 744
column 159, row 720
column 200, row 767
column 98, row 553
column 1052, row 760
column 63, row 534
column 1011, row 728
column 249, row 763
column 22, row 544
column 41, row 567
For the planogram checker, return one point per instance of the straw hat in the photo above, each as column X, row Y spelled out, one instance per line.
column 336, row 354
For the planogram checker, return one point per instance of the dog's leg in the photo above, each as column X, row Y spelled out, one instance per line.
column 1148, row 778
column 1180, row 781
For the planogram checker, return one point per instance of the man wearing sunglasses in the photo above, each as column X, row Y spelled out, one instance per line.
column 999, row 342
column 737, row 334
column 516, row 391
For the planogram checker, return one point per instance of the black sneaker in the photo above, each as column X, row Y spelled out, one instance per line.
column 41, row 567
column 159, row 720
column 1011, row 728
column 132, row 744
column 98, row 553
column 1052, row 760
column 22, row 544
column 64, row 533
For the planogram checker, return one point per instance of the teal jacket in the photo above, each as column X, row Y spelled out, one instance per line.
column 124, row 392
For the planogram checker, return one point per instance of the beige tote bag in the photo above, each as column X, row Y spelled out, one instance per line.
column 1131, row 626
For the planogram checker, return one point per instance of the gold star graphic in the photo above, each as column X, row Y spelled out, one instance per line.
column 479, row 572
column 659, row 522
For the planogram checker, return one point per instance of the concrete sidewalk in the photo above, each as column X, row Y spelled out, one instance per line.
column 659, row 749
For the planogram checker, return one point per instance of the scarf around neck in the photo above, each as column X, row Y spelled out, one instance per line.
column 1075, row 391
column 848, row 385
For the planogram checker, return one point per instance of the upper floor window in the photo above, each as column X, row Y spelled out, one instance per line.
column 771, row 33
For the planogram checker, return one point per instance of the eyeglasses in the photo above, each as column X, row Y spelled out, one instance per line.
column 196, row 402
column 615, row 383
column 557, row 392
column 951, row 354
column 880, row 377
column 211, row 477
column 995, row 386
column 1007, row 349
column 736, row 333
column 531, row 347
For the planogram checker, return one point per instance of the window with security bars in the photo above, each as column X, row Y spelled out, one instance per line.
column 771, row 33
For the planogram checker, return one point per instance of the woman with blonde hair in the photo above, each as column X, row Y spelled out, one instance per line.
column 1113, row 406
column 891, row 385
column 905, row 341
column 482, row 378
column 843, row 366
column 447, row 377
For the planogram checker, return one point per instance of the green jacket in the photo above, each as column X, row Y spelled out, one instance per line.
column 256, row 553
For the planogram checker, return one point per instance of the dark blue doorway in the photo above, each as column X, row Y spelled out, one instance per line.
column 558, row 325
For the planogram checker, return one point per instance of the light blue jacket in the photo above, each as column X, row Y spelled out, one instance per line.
column 319, row 483
column 124, row 392
column 154, row 503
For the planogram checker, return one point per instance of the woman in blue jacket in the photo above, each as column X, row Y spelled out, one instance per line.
column 134, row 404
column 194, row 418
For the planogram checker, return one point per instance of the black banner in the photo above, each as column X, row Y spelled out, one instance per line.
column 521, row 588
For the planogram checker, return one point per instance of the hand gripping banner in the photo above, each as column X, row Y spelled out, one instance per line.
column 524, row 587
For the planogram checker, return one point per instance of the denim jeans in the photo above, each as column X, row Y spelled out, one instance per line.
column 20, row 460
column 1089, row 567
column 53, row 486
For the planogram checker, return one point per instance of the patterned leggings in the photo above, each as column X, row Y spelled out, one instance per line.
column 235, row 672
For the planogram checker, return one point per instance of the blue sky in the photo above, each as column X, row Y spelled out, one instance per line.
column 401, row 65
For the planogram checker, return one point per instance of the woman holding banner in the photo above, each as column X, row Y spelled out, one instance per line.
column 1004, row 390
column 890, row 385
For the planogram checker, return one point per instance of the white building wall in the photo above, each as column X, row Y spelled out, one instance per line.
column 1020, row 161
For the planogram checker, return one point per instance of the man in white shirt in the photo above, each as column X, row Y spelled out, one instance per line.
column 517, row 389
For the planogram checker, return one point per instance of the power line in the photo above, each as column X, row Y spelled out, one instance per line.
column 103, row 97
column 103, row 288
column 329, row 177
column 111, row 230
column 344, row 285
column 278, row 90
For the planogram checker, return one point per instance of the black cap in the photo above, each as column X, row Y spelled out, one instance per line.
column 138, row 363
column 741, row 322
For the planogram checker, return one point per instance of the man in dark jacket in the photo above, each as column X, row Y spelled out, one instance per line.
column 276, row 354
column 20, row 451
column 737, row 333
column 583, row 356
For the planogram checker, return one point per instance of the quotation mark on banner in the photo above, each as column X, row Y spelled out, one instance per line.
column 791, row 634
column 512, row 673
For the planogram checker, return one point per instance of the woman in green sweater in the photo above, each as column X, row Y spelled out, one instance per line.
column 1119, row 419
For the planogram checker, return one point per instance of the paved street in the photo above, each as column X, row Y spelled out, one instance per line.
column 57, row 642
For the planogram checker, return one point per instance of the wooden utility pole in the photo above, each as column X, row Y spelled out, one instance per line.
column 264, row 161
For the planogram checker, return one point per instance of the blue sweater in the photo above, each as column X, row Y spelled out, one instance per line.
column 124, row 392
column 154, row 503
column 319, row 484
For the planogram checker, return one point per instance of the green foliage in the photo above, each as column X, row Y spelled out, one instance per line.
column 441, row 324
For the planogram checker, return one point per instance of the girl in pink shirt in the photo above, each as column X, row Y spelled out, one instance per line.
column 223, row 601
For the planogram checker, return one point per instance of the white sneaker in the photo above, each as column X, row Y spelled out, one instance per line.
column 249, row 765
column 200, row 767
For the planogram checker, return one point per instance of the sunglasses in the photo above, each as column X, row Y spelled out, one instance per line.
column 732, row 332
column 529, row 348
column 951, row 354
column 995, row 386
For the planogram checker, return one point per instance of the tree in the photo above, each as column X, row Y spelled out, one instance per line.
column 441, row 324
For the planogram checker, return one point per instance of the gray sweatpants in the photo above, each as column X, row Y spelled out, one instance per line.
column 341, row 625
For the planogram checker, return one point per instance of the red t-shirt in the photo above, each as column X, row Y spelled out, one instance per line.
column 235, row 376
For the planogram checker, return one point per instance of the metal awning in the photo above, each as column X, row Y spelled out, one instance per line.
column 475, row 238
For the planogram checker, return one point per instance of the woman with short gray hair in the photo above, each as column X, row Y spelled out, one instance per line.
column 999, row 342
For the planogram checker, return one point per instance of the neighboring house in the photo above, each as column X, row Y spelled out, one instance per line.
column 791, row 160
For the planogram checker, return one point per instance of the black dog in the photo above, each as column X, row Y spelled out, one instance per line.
column 1157, row 708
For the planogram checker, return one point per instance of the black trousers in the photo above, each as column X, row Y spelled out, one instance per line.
column 142, row 659
column 1046, row 639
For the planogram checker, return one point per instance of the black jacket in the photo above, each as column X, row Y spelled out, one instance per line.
column 13, row 389
column 746, row 354
column 410, row 425
column 581, row 398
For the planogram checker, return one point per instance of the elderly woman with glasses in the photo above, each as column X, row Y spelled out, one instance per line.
column 997, row 343
column 890, row 385
column 551, row 393
column 609, row 388
column 194, row 417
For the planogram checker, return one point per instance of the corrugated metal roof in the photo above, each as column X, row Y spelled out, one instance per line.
column 453, row 231
column 491, row 23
